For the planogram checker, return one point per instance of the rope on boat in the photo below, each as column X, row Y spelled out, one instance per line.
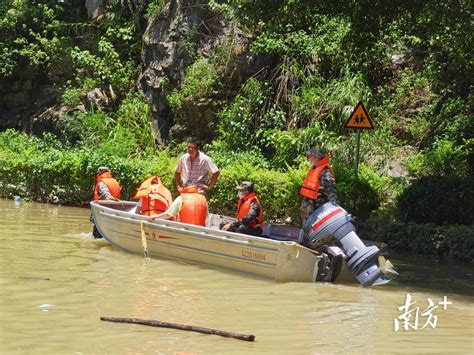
column 144, row 243
column 297, row 250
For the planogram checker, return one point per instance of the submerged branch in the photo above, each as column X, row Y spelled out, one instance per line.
column 157, row 323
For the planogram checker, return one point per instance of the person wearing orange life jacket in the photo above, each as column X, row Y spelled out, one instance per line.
column 154, row 198
column 106, row 188
column 249, row 212
column 319, row 185
column 190, row 207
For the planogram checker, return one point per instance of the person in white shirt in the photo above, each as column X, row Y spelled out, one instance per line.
column 196, row 166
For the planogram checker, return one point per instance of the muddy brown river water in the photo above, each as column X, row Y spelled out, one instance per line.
column 57, row 281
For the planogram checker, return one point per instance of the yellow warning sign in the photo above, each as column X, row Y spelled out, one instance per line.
column 359, row 118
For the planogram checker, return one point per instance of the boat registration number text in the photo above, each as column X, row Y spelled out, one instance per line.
column 252, row 255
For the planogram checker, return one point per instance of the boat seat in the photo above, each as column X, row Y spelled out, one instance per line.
column 282, row 232
column 214, row 220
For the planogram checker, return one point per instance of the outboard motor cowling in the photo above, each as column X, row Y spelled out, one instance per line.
column 331, row 223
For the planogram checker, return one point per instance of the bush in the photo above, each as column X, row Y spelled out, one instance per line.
column 439, row 200
column 421, row 238
column 201, row 77
column 224, row 157
column 355, row 194
column 287, row 148
column 444, row 158
column 241, row 119
column 46, row 171
column 273, row 189
column 387, row 188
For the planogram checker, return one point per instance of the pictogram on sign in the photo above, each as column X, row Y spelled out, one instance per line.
column 359, row 118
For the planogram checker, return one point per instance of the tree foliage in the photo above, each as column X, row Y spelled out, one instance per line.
column 409, row 61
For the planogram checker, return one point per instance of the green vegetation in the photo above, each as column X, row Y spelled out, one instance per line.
column 422, row 238
column 199, row 80
column 409, row 61
column 49, row 170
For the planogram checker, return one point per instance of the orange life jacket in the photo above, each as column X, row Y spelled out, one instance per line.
column 310, row 186
column 194, row 208
column 156, row 201
column 243, row 207
column 112, row 185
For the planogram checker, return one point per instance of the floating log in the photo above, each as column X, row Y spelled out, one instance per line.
column 157, row 323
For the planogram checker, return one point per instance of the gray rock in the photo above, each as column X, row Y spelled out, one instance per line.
column 182, row 32
column 95, row 8
column 397, row 169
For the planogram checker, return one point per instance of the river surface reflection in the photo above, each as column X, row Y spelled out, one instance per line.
column 57, row 281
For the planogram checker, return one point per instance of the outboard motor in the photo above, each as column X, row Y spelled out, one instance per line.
column 331, row 223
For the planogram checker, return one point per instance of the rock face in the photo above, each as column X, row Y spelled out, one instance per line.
column 182, row 32
column 95, row 9
column 26, row 99
column 165, row 56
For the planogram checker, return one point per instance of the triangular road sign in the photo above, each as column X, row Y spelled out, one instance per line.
column 359, row 118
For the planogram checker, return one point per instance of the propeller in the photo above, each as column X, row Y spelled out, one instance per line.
column 386, row 266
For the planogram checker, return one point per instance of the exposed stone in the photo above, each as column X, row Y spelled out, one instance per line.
column 27, row 85
column 16, row 99
column 95, row 8
column 96, row 99
column 397, row 169
column 402, row 60
column 178, row 35
column 183, row 31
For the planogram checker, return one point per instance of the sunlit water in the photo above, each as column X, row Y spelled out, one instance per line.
column 57, row 281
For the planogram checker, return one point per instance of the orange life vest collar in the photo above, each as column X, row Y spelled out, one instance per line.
column 106, row 175
column 190, row 190
column 246, row 197
column 322, row 162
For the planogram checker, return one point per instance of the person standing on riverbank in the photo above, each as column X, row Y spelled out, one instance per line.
column 249, row 212
column 106, row 188
column 319, row 185
column 196, row 166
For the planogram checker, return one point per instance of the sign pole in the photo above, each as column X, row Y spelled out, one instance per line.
column 356, row 161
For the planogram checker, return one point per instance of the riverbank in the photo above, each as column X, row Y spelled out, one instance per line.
column 38, row 170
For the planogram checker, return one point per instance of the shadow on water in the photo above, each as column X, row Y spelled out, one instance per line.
column 429, row 274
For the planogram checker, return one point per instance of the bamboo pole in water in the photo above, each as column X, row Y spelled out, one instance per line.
column 157, row 323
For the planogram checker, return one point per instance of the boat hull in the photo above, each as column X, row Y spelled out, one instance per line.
column 282, row 261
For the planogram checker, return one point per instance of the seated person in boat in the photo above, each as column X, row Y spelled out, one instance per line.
column 190, row 207
column 106, row 188
column 154, row 198
column 249, row 212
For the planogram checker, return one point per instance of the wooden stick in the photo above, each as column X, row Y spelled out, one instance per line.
column 157, row 323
